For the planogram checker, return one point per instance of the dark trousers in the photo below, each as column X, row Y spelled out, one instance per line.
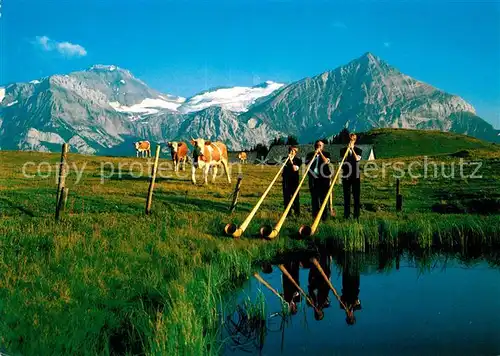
column 289, row 189
column 353, row 185
column 319, row 189
column 290, row 292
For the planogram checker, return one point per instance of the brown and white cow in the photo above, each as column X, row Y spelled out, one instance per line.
column 206, row 155
column 143, row 147
column 242, row 156
column 179, row 152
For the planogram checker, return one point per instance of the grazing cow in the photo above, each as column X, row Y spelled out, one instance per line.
column 143, row 147
column 242, row 156
column 179, row 152
column 208, row 154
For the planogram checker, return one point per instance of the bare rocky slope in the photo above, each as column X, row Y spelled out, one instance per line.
column 364, row 94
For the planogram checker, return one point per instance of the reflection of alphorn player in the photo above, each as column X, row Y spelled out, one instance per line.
column 318, row 287
column 291, row 179
column 350, row 289
column 267, row 268
column 351, row 177
column 319, row 177
column 290, row 292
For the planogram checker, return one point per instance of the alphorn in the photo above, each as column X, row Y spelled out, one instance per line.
column 232, row 229
column 267, row 231
column 307, row 231
column 289, row 276
column 322, row 272
column 274, row 291
column 332, row 208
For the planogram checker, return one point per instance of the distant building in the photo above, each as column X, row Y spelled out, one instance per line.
column 277, row 153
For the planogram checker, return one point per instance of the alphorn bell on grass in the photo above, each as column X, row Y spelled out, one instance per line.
column 232, row 229
column 267, row 231
column 306, row 231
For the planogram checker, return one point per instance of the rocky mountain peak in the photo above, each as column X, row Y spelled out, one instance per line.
column 370, row 57
column 370, row 63
column 104, row 108
column 366, row 93
column 109, row 70
column 103, row 67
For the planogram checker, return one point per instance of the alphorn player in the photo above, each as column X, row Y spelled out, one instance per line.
column 291, row 179
column 290, row 293
column 351, row 181
column 350, row 287
column 318, row 288
column 319, row 177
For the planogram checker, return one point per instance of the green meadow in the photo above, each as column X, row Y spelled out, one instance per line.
column 108, row 279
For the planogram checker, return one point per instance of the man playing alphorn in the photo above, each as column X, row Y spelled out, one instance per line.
column 319, row 177
column 351, row 177
column 291, row 179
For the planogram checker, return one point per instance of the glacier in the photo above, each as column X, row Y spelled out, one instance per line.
column 236, row 99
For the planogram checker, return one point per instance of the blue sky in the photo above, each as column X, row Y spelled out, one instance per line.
column 182, row 47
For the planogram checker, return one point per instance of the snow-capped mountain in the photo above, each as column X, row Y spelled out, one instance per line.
column 92, row 110
column 104, row 109
column 236, row 99
column 126, row 93
column 149, row 106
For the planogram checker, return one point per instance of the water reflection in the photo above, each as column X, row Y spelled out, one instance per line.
column 291, row 293
column 396, row 283
column 350, row 286
column 247, row 328
column 318, row 287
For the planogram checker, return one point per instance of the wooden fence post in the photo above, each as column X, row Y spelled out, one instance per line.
column 399, row 197
column 62, row 180
column 236, row 194
column 152, row 181
column 61, row 204
column 64, row 198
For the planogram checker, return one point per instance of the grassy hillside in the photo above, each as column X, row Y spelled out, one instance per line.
column 391, row 143
column 109, row 280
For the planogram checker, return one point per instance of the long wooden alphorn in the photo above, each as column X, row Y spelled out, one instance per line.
column 307, row 231
column 322, row 272
column 304, row 294
column 270, row 233
column 231, row 229
column 264, row 282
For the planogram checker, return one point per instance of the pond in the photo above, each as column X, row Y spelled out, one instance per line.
column 397, row 303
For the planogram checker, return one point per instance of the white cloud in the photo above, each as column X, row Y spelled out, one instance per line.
column 387, row 44
column 339, row 25
column 43, row 41
column 66, row 49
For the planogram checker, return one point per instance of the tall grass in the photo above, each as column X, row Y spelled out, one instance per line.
column 418, row 230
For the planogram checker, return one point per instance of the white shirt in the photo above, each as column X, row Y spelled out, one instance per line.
column 351, row 152
column 316, row 166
